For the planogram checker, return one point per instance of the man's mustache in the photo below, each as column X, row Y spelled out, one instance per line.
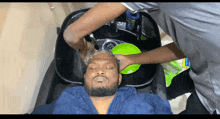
column 100, row 76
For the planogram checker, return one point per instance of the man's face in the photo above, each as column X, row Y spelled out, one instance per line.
column 102, row 77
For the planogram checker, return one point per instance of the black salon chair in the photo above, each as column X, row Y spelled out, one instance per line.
column 67, row 69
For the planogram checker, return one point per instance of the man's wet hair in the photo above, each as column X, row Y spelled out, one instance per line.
column 98, row 51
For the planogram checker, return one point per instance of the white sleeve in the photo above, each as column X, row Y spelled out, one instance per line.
column 137, row 6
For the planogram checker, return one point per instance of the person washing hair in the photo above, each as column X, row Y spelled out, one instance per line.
column 194, row 27
column 101, row 93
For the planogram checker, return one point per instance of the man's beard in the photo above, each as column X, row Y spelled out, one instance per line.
column 101, row 91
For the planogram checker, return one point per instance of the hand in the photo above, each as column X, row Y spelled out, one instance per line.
column 125, row 60
column 72, row 39
column 87, row 51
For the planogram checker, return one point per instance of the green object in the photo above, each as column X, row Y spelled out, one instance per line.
column 171, row 69
column 143, row 37
column 127, row 49
column 169, row 76
column 173, row 66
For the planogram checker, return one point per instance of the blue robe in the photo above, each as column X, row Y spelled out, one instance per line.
column 126, row 101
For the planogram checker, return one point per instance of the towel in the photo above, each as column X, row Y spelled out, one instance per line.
column 126, row 101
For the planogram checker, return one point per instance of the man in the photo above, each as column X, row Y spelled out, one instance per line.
column 194, row 27
column 101, row 94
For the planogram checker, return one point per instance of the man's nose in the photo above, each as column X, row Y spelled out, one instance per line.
column 100, row 71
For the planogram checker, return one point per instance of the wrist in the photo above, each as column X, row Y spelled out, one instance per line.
column 131, row 59
column 76, row 30
column 73, row 40
column 138, row 58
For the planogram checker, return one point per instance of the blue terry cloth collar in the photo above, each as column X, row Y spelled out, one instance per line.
column 77, row 101
column 126, row 101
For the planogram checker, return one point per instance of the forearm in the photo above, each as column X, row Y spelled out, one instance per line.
column 93, row 19
column 163, row 54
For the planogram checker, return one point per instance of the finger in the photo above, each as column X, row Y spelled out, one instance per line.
column 85, row 42
column 83, row 54
column 90, row 46
column 122, row 68
column 118, row 56
column 121, row 65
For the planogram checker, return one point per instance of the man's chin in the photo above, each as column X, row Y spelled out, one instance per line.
column 101, row 91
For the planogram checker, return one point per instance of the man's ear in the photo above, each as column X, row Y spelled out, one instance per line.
column 119, row 78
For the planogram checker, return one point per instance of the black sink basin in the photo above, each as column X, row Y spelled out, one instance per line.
column 71, row 68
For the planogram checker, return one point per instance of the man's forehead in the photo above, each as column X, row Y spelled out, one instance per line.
column 102, row 62
column 103, row 57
